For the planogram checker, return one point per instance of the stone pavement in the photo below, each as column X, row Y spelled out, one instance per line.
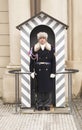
column 77, row 110
column 9, row 120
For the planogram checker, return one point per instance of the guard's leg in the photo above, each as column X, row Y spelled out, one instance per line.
column 47, row 101
column 40, row 101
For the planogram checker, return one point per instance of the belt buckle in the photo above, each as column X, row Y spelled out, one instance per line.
column 42, row 63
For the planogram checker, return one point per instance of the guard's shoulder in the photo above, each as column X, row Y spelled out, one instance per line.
column 53, row 50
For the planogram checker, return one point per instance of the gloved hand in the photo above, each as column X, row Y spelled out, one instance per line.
column 33, row 75
column 52, row 75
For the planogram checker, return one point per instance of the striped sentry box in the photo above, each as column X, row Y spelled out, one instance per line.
column 59, row 32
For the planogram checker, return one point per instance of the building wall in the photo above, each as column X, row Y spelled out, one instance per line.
column 55, row 8
column 19, row 11
column 4, row 40
column 75, row 44
column 67, row 11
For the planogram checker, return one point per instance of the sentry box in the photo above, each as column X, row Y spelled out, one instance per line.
column 56, row 31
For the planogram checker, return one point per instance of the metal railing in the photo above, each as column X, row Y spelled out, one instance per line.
column 68, row 72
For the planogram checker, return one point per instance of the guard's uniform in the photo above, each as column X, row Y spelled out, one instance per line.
column 43, row 67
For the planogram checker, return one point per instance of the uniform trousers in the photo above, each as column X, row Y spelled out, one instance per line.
column 44, row 99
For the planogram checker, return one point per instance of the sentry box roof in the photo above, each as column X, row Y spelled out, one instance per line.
column 41, row 17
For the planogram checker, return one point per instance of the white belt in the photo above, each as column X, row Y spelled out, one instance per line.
column 43, row 63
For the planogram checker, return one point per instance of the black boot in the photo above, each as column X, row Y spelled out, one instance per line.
column 40, row 108
column 47, row 108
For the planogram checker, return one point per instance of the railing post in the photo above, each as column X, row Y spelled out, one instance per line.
column 16, row 91
column 70, row 90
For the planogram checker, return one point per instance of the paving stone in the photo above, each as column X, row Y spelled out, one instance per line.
column 77, row 109
column 9, row 120
column 80, row 112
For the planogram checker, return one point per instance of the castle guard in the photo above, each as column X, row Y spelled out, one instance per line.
column 42, row 66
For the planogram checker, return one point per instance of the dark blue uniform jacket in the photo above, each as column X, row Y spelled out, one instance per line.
column 43, row 67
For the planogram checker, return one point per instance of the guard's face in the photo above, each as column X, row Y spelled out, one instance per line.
column 42, row 40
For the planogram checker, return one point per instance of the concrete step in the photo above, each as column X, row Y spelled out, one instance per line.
column 65, row 110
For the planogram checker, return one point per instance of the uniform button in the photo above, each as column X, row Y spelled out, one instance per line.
column 39, row 69
column 46, row 69
column 46, row 57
